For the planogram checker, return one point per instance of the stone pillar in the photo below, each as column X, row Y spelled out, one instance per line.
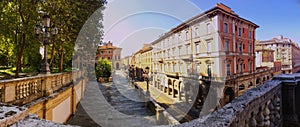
column 179, row 93
column 290, row 118
column 173, row 91
column 168, row 89
column 46, row 85
column 159, row 116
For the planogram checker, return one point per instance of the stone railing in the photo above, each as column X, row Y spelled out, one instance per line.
column 24, row 90
column 273, row 104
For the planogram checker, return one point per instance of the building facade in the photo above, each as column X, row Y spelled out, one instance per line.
column 110, row 52
column 125, row 62
column 285, row 51
column 215, row 46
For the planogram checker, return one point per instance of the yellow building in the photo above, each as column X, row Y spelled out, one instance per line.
column 146, row 58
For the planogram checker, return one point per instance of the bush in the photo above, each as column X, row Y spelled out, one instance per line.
column 103, row 68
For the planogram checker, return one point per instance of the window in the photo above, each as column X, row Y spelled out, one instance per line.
column 173, row 52
column 188, row 69
column 179, row 51
column 108, row 58
column 197, row 48
column 250, row 48
column 196, row 32
column 188, row 51
column 240, row 32
column 227, row 45
column 225, row 27
column 240, row 47
column 241, row 68
column 250, row 66
column 187, row 37
column 209, row 70
column 208, row 29
column 180, row 68
column 209, row 47
column 174, row 67
column 228, row 68
column 250, row 34
column 198, row 68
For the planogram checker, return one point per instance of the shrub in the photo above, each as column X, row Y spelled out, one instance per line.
column 103, row 68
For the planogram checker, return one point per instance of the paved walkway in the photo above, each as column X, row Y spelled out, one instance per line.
column 156, row 94
column 104, row 114
column 81, row 118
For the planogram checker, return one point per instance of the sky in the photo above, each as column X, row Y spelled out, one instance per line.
column 130, row 24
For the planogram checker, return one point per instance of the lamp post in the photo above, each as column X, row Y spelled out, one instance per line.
column 43, row 31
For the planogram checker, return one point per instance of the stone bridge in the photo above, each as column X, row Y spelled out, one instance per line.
column 275, row 103
column 52, row 97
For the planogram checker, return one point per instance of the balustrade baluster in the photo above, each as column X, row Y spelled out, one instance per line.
column 260, row 118
column 267, row 115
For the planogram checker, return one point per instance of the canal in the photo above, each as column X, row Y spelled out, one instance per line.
column 112, row 104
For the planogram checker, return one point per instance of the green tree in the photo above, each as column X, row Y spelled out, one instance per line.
column 103, row 68
column 18, row 43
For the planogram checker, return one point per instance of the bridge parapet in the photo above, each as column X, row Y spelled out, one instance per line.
column 24, row 90
column 272, row 104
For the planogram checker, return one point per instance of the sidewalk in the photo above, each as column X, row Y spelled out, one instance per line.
column 156, row 94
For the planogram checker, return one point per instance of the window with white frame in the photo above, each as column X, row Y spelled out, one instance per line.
column 228, row 69
column 195, row 32
column 174, row 67
column 180, row 67
column 240, row 31
column 209, row 46
column 179, row 50
column 198, row 68
column 250, row 48
column 188, row 51
column 197, row 47
column 227, row 45
column 250, row 34
column 187, row 37
column 208, row 28
column 250, row 66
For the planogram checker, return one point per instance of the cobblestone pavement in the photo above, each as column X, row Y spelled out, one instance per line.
column 81, row 118
column 102, row 107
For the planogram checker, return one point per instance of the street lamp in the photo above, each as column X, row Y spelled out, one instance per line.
column 43, row 32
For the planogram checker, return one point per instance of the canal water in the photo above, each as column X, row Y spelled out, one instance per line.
column 112, row 104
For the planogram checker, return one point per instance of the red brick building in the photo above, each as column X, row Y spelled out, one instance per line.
column 110, row 52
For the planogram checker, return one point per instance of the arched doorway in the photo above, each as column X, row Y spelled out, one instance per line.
column 257, row 81
column 242, row 87
column 229, row 94
column 250, row 85
column 117, row 66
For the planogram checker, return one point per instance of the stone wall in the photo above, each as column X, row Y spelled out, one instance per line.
column 272, row 104
column 61, row 105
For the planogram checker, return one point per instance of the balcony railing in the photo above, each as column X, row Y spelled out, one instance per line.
column 25, row 90
column 273, row 104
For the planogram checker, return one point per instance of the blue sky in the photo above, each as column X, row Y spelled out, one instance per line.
column 131, row 23
column 275, row 17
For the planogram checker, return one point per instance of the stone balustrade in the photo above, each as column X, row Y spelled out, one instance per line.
column 273, row 104
column 24, row 90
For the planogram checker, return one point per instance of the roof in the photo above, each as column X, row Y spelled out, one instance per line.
column 219, row 8
column 108, row 47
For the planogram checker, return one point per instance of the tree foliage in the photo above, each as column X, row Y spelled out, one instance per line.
column 103, row 68
column 18, row 44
